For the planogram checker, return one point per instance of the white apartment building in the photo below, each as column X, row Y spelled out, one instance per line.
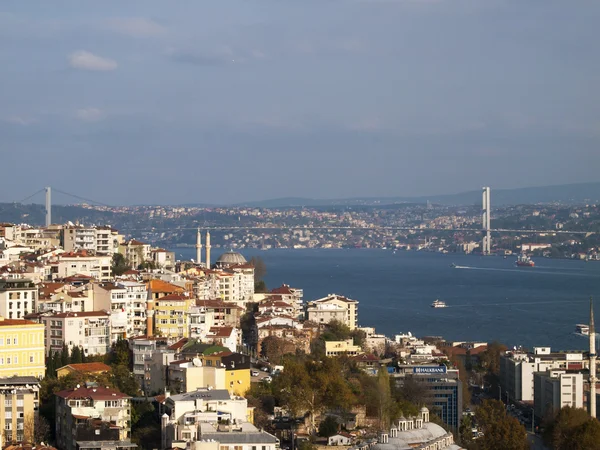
column 333, row 307
column 200, row 321
column 81, row 263
column 517, row 369
column 89, row 330
column 18, row 297
column 126, row 300
column 97, row 239
column 183, row 413
column 555, row 389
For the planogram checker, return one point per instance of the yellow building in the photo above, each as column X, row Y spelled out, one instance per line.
column 94, row 368
column 170, row 315
column 237, row 370
column 21, row 348
column 346, row 347
column 333, row 307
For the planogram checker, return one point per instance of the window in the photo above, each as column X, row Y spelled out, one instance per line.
column 8, row 415
column 15, row 340
column 7, row 402
column 19, row 402
column 8, row 426
column 10, row 305
column 16, row 360
column 1, row 341
column 8, row 340
column 70, row 323
column 31, row 359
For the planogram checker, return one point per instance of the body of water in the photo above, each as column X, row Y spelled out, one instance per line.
column 488, row 298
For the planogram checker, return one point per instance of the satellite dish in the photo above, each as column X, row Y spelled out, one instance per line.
column 196, row 362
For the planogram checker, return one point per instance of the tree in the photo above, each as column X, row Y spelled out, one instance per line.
column 260, row 287
column 466, row 430
column 260, row 268
column 336, row 331
column 76, row 357
column 119, row 265
column 384, row 398
column 571, row 429
column 500, row 431
column 64, row 356
column 35, row 429
column 328, row 427
column 273, row 348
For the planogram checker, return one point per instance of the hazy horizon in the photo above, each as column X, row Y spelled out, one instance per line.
column 148, row 102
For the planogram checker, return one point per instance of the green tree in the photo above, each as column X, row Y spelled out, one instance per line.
column 50, row 368
column 56, row 362
column 76, row 355
column 260, row 287
column 65, row 358
column 336, row 331
column 500, row 431
column 119, row 265
column 572, row 429
column 466, row 430
column 328, row 427
column 384, row 398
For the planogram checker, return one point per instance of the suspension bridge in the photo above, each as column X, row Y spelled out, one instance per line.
column 486, row 228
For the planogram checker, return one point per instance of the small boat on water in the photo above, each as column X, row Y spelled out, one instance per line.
column 438, row 304
column 524, row 261
column 453, row 265
column 582, row 329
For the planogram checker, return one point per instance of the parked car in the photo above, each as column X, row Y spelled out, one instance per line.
column 267, row 379
column 265, row 369
column 254, row 373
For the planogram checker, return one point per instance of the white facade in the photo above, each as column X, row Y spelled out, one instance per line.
column 127, row 302
column 333, row 307
column 201, row 320
column 97, row 267
column 89, row 330
column 555, row 389
column 18, row 297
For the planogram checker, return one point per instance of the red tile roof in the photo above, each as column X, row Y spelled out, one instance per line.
column 283, row 289
column 89, row 367
column 160, row 286
column 179, row 344
column 16, row 322
column 223, row 332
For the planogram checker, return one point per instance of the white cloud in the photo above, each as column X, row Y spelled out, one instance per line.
column 19, row 120
column 88, row 61
column 136, row 27
column 90, row 114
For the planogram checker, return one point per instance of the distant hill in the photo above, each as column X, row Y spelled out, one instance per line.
column 566, row 193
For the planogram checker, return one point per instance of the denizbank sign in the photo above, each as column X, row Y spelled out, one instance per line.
column 429, row 369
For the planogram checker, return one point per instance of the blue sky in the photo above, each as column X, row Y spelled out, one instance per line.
column 175, row 102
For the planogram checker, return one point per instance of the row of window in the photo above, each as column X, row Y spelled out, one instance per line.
column 15, row 359
column 8, row 402
column 34, row 338
column 17, row 295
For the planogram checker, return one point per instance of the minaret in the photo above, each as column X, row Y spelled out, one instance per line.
column 208, row 249
column 198, row 247
column 592, row 362
column 149, row 312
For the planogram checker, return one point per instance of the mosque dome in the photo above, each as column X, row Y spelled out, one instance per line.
column 231, row 258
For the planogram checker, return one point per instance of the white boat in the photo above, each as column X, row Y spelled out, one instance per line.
column 438, row 304
column 582, row 329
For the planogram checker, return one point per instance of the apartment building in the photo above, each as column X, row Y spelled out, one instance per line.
column 170, row 315
column 96, row 266
column 333, row 307
column 21, row 348
column 517, row 369
column 19, row 398
column 554, row 389
column 223, row 313
column 18, row 297
column 93, row 413
column 95, row 239
column 126, row 300
column 89, row 330
column 183, row 413
column 135, row 252
column 338, row 348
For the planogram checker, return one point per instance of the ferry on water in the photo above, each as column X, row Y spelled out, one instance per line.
column 582, row 329
column 438, row 304
column 524, row 261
